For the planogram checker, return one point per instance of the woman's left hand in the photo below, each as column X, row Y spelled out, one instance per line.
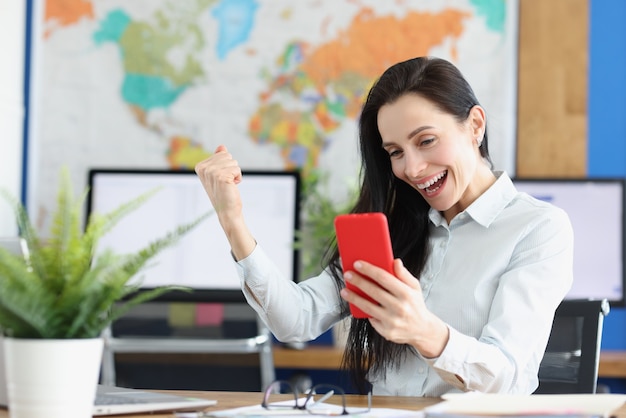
column 401, row 315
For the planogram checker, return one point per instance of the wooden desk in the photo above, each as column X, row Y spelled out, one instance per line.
column 227, row 400
column 312, row 357
column 612, row 364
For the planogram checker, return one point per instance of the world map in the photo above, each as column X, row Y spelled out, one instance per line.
column 159, row 84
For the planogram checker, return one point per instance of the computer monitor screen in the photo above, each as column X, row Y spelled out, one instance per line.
column 201, row 260
column 596, row 210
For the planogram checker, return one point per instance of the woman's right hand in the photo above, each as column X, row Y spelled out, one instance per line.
column 220, row 174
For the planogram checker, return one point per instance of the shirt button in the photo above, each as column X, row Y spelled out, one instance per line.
column 421, row 370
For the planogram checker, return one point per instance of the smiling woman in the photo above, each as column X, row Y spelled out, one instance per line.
column 479, row 268
column 438, row 141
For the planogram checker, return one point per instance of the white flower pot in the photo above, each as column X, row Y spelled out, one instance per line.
column 52, row 378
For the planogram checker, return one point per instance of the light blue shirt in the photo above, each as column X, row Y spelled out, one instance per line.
column 495, row 275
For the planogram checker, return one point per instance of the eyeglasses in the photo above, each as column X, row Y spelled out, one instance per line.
column 322, row 399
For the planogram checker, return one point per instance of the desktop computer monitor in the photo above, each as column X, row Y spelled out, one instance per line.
column 201, row 260
column 596, row 209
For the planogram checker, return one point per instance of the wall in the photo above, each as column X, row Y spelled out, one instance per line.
column 552, row 90
column 12, row 30
column 606, row 146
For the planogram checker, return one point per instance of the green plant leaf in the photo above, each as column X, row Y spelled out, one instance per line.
column 317, row 229
column 64, row 289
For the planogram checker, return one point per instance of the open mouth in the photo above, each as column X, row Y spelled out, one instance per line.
column 432, row 185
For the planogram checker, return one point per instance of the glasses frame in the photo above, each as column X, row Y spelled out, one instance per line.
column 310, row 401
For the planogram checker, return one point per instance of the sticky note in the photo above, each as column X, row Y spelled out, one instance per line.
column 209, row 314
column 182, row 314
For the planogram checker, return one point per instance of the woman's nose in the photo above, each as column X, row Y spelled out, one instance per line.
column 414, row 164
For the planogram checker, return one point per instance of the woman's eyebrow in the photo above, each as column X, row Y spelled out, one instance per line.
column 410, row 135
column 418, row 130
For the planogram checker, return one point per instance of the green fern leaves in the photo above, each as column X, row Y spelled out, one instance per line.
column 63, row 290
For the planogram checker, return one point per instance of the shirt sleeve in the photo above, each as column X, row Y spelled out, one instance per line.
column 294, row 312
column 515, row 336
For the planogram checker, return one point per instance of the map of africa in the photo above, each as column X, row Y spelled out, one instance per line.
column 159, row 84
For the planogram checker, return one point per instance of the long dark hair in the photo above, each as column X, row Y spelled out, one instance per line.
column 440, row 82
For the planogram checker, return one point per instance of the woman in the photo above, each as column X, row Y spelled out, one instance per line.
column 480, row 268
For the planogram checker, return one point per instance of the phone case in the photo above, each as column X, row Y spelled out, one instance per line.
column 363, row 236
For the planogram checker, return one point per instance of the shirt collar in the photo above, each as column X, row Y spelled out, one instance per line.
column 488, row 205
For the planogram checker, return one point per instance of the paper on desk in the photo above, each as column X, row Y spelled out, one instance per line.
column 475, row 404
column 259, row 411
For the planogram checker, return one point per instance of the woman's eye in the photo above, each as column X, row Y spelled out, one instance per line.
column 427, row 141
column 394, row 153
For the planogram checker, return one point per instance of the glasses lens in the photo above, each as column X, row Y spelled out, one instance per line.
column 330, row 400
column 356, row 410
column 280, row 395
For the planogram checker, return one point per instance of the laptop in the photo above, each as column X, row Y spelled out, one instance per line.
column 110, row 400
column 113, row 400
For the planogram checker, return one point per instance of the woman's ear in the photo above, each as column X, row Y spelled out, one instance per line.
column 477, row 123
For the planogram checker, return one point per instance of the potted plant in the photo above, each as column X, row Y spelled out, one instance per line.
column 55, row 304
column 317, row 229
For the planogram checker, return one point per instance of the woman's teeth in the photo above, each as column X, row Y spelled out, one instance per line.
column 432, row 181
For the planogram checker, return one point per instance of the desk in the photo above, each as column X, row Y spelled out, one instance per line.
column 612, row 364
column 312, row 357
column 227, row 400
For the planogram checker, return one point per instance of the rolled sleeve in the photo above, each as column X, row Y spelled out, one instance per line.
column 467, row 364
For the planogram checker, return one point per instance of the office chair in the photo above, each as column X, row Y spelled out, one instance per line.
column 570, row 363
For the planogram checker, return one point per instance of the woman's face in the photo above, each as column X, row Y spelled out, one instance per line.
column 434, row 153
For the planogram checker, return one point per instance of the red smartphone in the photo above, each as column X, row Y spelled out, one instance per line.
column 363, row 236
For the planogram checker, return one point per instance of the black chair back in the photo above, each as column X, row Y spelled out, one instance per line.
column 570, row 363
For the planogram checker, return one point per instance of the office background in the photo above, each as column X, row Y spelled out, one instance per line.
column 606, row 146
column 591, row 142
